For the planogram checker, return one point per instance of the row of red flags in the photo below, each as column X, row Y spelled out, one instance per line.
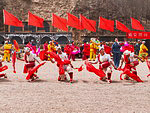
column 78, row 23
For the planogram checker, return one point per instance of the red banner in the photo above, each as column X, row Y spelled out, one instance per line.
column 136, row 24
column 59, row 22
column 10, row 19
column 88, row 24
column 106, row 24
column 35, row 20
column 73, row 21
column 138, row 35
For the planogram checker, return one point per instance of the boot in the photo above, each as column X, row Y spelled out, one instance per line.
column 71, row 77
column 109, row 77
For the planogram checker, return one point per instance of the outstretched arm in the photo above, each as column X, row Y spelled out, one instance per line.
column 113, row 64
column 50, row 58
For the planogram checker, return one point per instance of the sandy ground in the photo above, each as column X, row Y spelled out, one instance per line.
column 86, row 95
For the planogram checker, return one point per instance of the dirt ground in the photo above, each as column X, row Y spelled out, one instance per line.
column 86, row 95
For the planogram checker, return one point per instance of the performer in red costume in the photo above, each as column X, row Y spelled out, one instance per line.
column 86, row 51
column 29, row 59
column 64, row 65
column 105, row 63
column 43, row 52
column 2, row 68
column 45, row 46
column 107, row 49
column 67, row 50
column 131, row 61
column 74, row 50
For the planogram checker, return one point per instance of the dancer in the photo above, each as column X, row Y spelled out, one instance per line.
column 2, row 68
column 105, row 63
column 74, row 50
column 131, row 61
column 30, row 59
column 64, row 65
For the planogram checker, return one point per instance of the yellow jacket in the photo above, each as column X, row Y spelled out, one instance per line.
column 51, row 47
column 143, row 49
column 7, row 48
column 93, row 46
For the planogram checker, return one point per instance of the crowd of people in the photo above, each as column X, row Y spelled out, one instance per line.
column 92, row 52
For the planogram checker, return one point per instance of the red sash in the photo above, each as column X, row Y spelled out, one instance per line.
column 103, row 64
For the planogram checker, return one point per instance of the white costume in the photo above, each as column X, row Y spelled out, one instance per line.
column 63, row 57
column 102, row 59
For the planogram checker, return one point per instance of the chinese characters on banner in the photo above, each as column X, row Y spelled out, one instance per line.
column 138, row 35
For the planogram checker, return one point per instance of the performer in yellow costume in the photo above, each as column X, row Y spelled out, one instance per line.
column 51, row 48
column 7, row 51
column 143, row 51
column 93, row 50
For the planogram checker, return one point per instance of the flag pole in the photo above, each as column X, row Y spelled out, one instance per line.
column 4, row 20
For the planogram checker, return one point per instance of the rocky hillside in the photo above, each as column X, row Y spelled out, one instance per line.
column 121, row 10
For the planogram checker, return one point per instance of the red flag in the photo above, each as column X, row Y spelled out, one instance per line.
column 136, row 24
column 88, row 24
column 91, row 68
column 73, row 21
column 16, row 45
column 106, row 24
column 35, row 20
column 133, row 76
column 80, row 68
column 59, row 22
column 3, row 68
column 10, row 19
column 55, row 56
column 14, row 61
column 121, row 27
column 32, row 71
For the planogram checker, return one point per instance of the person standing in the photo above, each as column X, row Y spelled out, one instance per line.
column 116, row 52
column 86, row 51
column 7, row 51
column 51, row 48
column 143, row 51
column 137, row 47
column 93, row 50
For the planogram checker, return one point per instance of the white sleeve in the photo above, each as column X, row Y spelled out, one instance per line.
column 109, row 58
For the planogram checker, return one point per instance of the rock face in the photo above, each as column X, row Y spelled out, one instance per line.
column 121, row 10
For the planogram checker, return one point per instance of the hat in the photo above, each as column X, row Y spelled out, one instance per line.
column 143, row 42
column 127, row 52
